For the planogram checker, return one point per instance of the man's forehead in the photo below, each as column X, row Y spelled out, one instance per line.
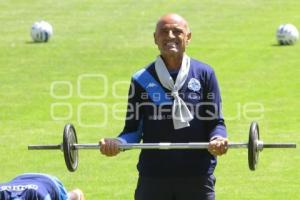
column 171, row 25
column 172, row 21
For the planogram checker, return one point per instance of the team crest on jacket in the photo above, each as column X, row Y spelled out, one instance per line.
column 194, row 85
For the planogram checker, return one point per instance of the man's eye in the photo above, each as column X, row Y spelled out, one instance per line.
column 177, row 31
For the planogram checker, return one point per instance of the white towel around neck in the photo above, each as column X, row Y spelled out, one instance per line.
column 181, row 115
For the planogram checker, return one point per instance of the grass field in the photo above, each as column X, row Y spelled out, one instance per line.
column 44, row 86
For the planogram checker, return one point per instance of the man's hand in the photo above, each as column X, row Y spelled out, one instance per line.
column 218, row 146
column 109, row 146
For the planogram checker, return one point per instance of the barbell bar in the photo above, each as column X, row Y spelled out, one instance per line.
column 163, row 145
column 70, row 146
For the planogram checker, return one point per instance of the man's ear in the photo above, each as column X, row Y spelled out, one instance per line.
column 154, row 36
column 189, row 37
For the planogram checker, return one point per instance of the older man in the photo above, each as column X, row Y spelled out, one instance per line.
column 173, row 99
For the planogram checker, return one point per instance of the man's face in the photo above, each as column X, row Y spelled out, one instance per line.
column 171, row 36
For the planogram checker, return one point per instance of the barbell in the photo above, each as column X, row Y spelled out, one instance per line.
column 70, row 146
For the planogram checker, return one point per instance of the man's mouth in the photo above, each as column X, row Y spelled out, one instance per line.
column 171, row 44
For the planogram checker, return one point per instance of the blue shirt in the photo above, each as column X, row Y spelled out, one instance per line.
column 33, row 186
column 149, row 119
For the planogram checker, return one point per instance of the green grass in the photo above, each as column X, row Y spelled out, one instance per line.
column 114, row 38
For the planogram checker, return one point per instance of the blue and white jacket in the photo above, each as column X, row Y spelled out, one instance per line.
column 149, row 119
column 33, row 186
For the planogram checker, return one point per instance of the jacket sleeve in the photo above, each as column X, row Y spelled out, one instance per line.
column 216, row 124
column 132, row 132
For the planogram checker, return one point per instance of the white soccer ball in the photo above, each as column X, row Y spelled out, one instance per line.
column 41, row 31
column 287, row 34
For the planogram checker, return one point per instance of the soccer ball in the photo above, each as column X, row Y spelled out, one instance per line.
column 41, row 31
column 287, row 34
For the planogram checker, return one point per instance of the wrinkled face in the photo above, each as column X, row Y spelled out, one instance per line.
column 172, row 35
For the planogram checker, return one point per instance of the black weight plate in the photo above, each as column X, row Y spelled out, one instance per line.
column 70, row 154
column 253, row 151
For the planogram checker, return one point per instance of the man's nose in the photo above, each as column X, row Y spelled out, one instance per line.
column 171, row 34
